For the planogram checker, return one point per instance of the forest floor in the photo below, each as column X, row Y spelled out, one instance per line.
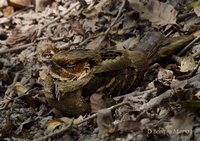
column 165, row 105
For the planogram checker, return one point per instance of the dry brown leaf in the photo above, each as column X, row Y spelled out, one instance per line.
column 75, row 24
column 160, row 14
column 56, row 123
column 8, row 11
column 97, row 102
column 22, row 34
column 197, row 10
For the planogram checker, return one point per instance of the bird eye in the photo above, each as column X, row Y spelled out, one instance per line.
column 70, row 65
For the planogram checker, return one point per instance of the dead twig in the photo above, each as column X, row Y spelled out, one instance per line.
column 192, row 73
column 14, row 49
column 109, row 28
column 156, row 101
column 118, row 15
column 188, row 46
column 135, row 94
column 57, row 19
column 64, row 129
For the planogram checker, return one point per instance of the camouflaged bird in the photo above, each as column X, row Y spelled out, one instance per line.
column 76, row 74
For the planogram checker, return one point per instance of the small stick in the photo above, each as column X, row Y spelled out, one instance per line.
column 14, row 49
column 156, row 101
column 188, row 46
column 118, row 15
column 64, row 129
column 135, row 94
column 192, row 73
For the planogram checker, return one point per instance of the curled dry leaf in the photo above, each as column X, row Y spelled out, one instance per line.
column 56, row 123
column 160, row 14
column 20, row 89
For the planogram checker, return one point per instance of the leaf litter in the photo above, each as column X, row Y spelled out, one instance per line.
column 164, row 106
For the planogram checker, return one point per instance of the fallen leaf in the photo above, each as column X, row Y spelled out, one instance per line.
column 22, row 34
column 188, row 63
column 75, row 24
column 99, row 101
column 160, row 14
column 197, row 10
column 8, row 11
column 197, row 95
column 20, row 89
column 53, row 124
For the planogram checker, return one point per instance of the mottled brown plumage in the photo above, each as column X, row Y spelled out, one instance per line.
column 76, row 74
